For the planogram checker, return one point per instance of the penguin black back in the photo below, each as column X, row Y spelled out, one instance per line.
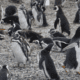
column 10, row 10
column 60, row 17
column 46, row 61
column 3, row 73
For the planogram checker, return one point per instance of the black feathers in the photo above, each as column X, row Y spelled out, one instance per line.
column 10, row 10
column 47, row 64
column 60, row 17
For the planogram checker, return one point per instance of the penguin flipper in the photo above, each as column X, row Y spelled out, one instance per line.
column 39, row 16
column 56, row 22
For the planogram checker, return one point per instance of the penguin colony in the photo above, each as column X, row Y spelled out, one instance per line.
column 22, row 35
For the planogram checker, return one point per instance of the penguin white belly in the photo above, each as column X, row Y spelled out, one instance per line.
column 35, row 14
column 22, row 20
column 47, row 2
column 45, row 71
column 18, row 53
column 78, row 57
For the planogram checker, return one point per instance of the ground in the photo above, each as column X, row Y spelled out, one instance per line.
column 32, row 71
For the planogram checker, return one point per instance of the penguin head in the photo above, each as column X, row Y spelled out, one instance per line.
column 56, row 8
column 46, row 51
column 52, row 31
column 15, row 36
column 43, row 44
column 49, row 47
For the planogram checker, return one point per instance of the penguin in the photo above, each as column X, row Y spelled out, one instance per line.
column 14, row 28
column 30, row 35
column 77, row 18
column 61, row 18
column 4, row 72
column 20, row 49
column 47, row 65
column 10, row 10
column 54, row 33
column 39, row 15
column 58, row 39
column 61, row 42
column 25, row 22
column 73, row 53
column 28, row 15
column 44, row 42
column 10, row 19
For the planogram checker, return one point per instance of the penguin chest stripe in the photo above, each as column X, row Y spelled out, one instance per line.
column 45, row 70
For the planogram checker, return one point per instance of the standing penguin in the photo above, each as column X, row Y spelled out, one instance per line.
column 20, row 49
column 60, row 18
column 4, row 73
column 38, row 15
column 46, row 63
column 73, row 52
column 22, row 19
column 77, row 16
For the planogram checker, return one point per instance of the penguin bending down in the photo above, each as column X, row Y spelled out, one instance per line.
column 39, row 16
column 20, row 48
column 61, row 42
column 10, row 19
column 10, row 10
column 47, row 65
column 44, row 42
column 60, row 18
column 54, row 33
column 73, row 52
column 24, row 18
column 30, row 35
column 4, row 72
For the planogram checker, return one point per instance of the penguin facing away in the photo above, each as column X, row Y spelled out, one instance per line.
column 10, row 10
column 73, row 52
column 60, row 18
column 20, row 49
column 47, row 64
column 4, row 72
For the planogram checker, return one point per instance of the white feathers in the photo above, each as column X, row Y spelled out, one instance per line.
column 44, row 45
column 35, row 14
column 18, row 53
column 78, row 57
column 22, row 20
column 45, row 71
column 47, row 2
column 56, row 8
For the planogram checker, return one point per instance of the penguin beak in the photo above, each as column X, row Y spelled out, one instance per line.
column 70, row 46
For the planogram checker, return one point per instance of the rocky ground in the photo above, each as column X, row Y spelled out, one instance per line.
column 32, row 71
